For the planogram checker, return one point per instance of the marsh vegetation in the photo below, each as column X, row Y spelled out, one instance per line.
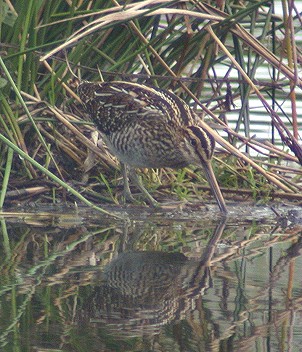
column 236, row 64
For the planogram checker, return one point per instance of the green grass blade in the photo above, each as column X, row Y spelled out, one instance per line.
column 54, row 177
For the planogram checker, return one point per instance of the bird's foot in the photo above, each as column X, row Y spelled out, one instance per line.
column 128, row 197
column 173, row 205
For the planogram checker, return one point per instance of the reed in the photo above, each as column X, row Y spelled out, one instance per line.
column 237, row 65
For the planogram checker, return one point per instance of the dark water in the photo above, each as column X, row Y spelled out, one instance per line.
column 164, row 283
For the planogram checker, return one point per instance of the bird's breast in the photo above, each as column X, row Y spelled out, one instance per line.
column 152, row 148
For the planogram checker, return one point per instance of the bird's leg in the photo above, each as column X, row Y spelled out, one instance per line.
column 127, row 192
column 138, row 183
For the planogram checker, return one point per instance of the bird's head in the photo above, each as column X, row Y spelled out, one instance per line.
column 199, row 145
column 198, row 149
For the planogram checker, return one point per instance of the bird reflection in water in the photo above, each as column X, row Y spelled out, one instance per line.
column 142, row 291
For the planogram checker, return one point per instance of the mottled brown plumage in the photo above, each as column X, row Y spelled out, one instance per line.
column 148, row 127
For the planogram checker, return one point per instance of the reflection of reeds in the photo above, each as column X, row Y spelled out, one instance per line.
column 181, row 46
column 62, row 275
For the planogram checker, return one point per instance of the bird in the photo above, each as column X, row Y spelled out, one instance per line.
column 148, row 127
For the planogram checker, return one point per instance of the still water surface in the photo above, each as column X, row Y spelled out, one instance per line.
column 159, row 284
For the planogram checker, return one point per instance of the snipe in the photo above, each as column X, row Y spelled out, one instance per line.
column 148, row 127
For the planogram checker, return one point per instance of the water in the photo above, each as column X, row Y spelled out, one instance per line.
column 172, row 281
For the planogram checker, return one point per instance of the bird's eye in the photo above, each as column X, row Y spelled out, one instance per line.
column 193, row 142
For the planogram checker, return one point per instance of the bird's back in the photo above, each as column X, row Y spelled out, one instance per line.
column 114, row 105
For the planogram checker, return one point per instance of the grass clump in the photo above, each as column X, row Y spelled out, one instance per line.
column 236, row 65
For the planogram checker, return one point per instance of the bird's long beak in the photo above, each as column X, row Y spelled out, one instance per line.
column 215, row 187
